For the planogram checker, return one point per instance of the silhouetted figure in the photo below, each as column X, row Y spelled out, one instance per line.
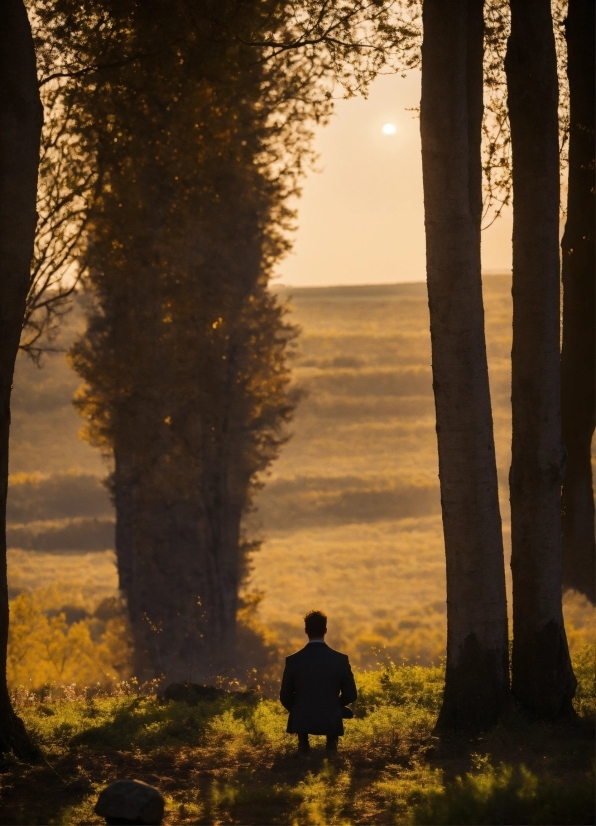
column 316, row 687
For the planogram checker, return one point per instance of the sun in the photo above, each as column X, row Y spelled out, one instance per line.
column 389, row 129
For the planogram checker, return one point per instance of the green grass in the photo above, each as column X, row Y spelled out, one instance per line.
column 230, row 760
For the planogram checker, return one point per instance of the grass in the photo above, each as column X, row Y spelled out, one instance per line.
column 229, row 760
column 350, row 522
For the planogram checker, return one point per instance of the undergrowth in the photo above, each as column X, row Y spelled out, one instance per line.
column 229, row 760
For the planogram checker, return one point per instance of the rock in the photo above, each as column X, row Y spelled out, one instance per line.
column 130, row 801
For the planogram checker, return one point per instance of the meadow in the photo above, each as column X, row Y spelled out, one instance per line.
column 349, row 515
column 228, row 759
column 349, row 521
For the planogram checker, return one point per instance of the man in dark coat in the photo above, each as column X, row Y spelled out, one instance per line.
column 317, row 686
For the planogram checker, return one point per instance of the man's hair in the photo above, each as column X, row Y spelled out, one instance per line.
column 315, row 623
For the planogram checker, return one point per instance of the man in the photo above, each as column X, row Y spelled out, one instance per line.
column 317, row 686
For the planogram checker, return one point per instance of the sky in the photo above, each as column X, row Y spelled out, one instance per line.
column 360, row 217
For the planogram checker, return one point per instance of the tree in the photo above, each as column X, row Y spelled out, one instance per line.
column 575, row 62
column 66, row 187
column 196, row 158
column 578, row 367
column 477, row 683
column 542, row 678
column 181, row 241
column 20, row 128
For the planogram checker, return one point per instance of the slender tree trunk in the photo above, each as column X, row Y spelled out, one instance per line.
column 476, row 688
column 578, row 363
column 543, row 680
column 20, row 130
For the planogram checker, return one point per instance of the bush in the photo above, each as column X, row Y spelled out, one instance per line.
column 508, row 794
column 584, row 666
column 52, row 642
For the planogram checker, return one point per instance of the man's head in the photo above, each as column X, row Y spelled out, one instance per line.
column 315, row 625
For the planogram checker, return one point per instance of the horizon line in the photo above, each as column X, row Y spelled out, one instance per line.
column 488, row 272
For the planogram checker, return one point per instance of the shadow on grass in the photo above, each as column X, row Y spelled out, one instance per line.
column 509, row 795
column 228, row 760
column 520, row 772
column 148, row 724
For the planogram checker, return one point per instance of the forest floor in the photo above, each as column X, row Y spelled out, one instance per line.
column 229, row 760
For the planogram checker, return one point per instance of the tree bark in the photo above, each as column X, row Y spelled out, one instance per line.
column 20, row 131
column 123, row 485
column 182, row 593
column 543, row 679
column 180, row 487
column 578, row 363
column 477, row 680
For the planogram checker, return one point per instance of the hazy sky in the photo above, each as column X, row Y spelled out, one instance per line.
column 360, row 217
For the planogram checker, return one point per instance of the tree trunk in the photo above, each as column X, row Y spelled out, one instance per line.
column 178, row 543
column 476, row 688
column 543, row 680
column 578, row 367
column 20, row 131
column 123, row 484
column 183, row 599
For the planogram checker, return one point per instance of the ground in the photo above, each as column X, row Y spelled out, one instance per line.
column 350, row 523
column 229, row 760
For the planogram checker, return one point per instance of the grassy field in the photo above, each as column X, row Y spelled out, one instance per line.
column 349, row 515
column 349, row 521
column 229, row 761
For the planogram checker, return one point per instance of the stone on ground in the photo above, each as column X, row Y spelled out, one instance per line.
column 130, row 801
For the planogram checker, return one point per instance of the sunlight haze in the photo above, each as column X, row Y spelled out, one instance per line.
column 360, row 218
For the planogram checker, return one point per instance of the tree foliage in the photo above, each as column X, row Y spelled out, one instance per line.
column 197, row 122
column 496, row 128
column 67, row 182
column 344, row 44
column 45, row 648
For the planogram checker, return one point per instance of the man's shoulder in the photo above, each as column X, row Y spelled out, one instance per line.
column 309, row 649
column 333, row 652
column 295, row 655
column 338, row 655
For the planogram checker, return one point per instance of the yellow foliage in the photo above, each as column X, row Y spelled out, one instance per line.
column 44, row 647
column 579, row 615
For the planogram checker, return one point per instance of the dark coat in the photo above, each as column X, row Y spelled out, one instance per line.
column 316, row 685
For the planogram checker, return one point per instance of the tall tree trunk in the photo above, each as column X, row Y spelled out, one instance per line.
column 183, row 599
column 477, row 680
column 578, row 367
column 20, row 131
column 178, row 526
column 543, row 679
